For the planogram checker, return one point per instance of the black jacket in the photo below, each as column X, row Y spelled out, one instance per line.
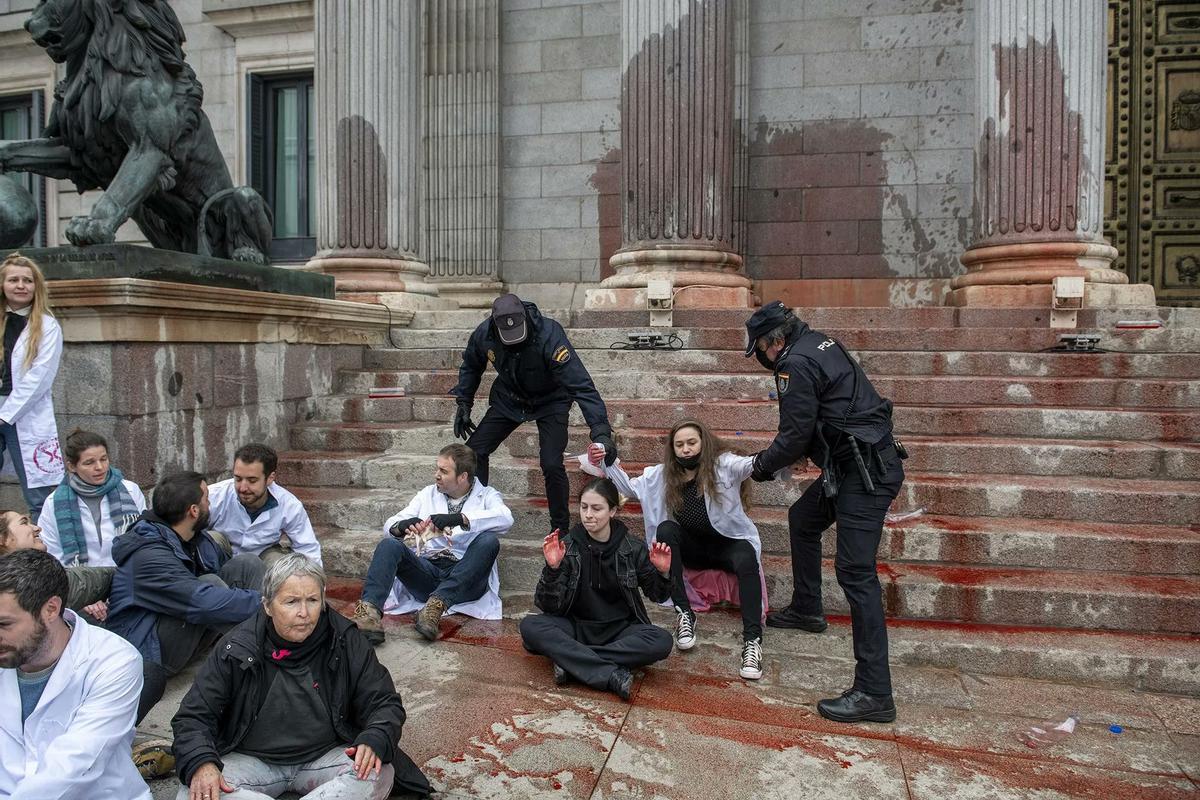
column 816, row 379
column 556, row 588
column 230, row 686
column 535, row 379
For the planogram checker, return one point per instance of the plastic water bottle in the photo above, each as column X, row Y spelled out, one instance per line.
column 1047, row 733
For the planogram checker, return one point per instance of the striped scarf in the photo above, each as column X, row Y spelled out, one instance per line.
column 121, row 510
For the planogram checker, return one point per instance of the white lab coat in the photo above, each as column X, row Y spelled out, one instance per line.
column 30, row 408
column 725, row 511
column 99, row 545
column 228, row 516
column 76, row 742
column 486, row 512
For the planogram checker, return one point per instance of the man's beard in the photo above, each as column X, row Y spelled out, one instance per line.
column 201, row 522
column 27, row 650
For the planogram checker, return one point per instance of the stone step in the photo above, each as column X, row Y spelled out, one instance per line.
column 909, row 390
column 1114, row 424
column 1108, row 500
column 948, row 540
column 933, row 339
column 1102, row 459
column 997, row 596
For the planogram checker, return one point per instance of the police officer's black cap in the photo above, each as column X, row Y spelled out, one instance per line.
column 508, row 314
column 765, row 320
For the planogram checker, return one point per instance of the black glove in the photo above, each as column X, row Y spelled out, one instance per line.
column 463, row 427
column 759, row 474
column 441, row 521
column 399, row 529
column 610, row 447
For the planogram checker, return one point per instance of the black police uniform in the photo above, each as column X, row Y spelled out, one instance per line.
column 535, row 380
column 824, row 397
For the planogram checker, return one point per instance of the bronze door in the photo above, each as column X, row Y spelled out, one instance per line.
column 1152, row 187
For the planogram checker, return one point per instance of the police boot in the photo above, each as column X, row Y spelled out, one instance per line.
column 789, row 617
column 858, row 706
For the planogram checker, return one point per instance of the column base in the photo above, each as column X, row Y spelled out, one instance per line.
column 699, row 279
column 471, row 294
column 398, row 283
column 1021, row 275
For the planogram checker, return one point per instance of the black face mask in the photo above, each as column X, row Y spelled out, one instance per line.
column 762, row 359
column 688, row 463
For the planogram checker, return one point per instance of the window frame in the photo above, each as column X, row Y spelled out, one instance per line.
column 262, row 126
column 33, row 104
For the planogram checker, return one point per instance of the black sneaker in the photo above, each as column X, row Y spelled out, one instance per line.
column 685, row 629
column 858, row 706
column 751, row 659
column 561, row 676
column 621, row 683
column 789, row 617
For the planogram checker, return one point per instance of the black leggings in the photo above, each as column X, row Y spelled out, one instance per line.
column 706, row 551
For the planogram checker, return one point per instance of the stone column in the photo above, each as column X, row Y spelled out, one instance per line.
column 682, row 156
column 1039, row 162
column 369, row 81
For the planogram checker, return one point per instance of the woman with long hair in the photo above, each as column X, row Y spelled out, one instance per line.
column 32, row 349
column 93, row 506
column 595, row 628
column 695, row 502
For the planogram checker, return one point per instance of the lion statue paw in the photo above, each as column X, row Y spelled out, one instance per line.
column 249, row 254
column 82, row 231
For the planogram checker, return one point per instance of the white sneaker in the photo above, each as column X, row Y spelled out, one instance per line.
column 685, row 629
column 751, row 659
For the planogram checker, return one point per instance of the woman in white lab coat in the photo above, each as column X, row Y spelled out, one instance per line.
column 93, row 506
column 695, row 502
column 32, row 348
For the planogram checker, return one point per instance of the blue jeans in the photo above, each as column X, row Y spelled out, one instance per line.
column 34, row 498
column 453, row 582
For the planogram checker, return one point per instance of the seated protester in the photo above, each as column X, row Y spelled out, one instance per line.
column 595, row 628
column 441, row 552
column 93, row 506
column 175, row 590
column 253, row 512
column 694, row 502
column 77, row 687
column 293, row 700
column 87, row 587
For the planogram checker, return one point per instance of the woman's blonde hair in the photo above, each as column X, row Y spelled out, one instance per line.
column 37, row 312
column 711, row 448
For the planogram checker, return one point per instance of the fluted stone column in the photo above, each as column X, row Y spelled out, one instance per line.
column 682, row 156
column 1039, row 161
column 369, row 80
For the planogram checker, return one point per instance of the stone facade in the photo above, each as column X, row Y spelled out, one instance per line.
column 860, row 127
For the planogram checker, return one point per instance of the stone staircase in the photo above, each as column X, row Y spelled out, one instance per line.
column 1061, row 536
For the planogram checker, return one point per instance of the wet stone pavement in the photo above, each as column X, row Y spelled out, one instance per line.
column 486, row 721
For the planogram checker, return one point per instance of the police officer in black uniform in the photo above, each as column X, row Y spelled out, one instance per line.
column 830, row 413
column 538, row 376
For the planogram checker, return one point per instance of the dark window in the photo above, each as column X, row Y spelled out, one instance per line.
column 283, row 156
column 21, row 118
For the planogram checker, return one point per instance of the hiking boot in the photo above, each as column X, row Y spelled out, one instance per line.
column 789, row 617
column 751, row 659
column 369, row 620
column 685, row 629
column 621, row 683
column 153, row 758
column 429, row 618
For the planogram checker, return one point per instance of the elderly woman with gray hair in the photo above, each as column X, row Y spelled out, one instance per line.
column 293, row 700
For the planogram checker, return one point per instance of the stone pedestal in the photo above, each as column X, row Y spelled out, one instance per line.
column 369, row 81
column 1039, row 162
column 683, row 166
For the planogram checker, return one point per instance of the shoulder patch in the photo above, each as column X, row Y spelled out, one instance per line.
column 492, row 356
column 562, row 355
column 782, row 379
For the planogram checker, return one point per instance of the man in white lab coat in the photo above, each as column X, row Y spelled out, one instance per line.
column 252, row 511
column 76, row 687
column 439, row 552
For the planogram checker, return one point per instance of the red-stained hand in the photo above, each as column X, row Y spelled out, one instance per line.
column 596, row 455
column 554, row 549
column 660, row 557
column 365, row 761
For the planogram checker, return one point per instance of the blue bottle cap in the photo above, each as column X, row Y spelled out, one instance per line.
column 1116, row 728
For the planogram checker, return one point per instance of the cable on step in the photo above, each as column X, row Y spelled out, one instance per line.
column 649, row 341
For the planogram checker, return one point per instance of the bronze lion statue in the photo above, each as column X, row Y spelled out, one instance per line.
column 128, row 119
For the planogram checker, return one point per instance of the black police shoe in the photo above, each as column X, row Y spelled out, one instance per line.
column 621, row 683
column 789, row 617
column 857, row 706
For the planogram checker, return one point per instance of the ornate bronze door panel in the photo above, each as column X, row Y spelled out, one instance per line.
column 1153, row 171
